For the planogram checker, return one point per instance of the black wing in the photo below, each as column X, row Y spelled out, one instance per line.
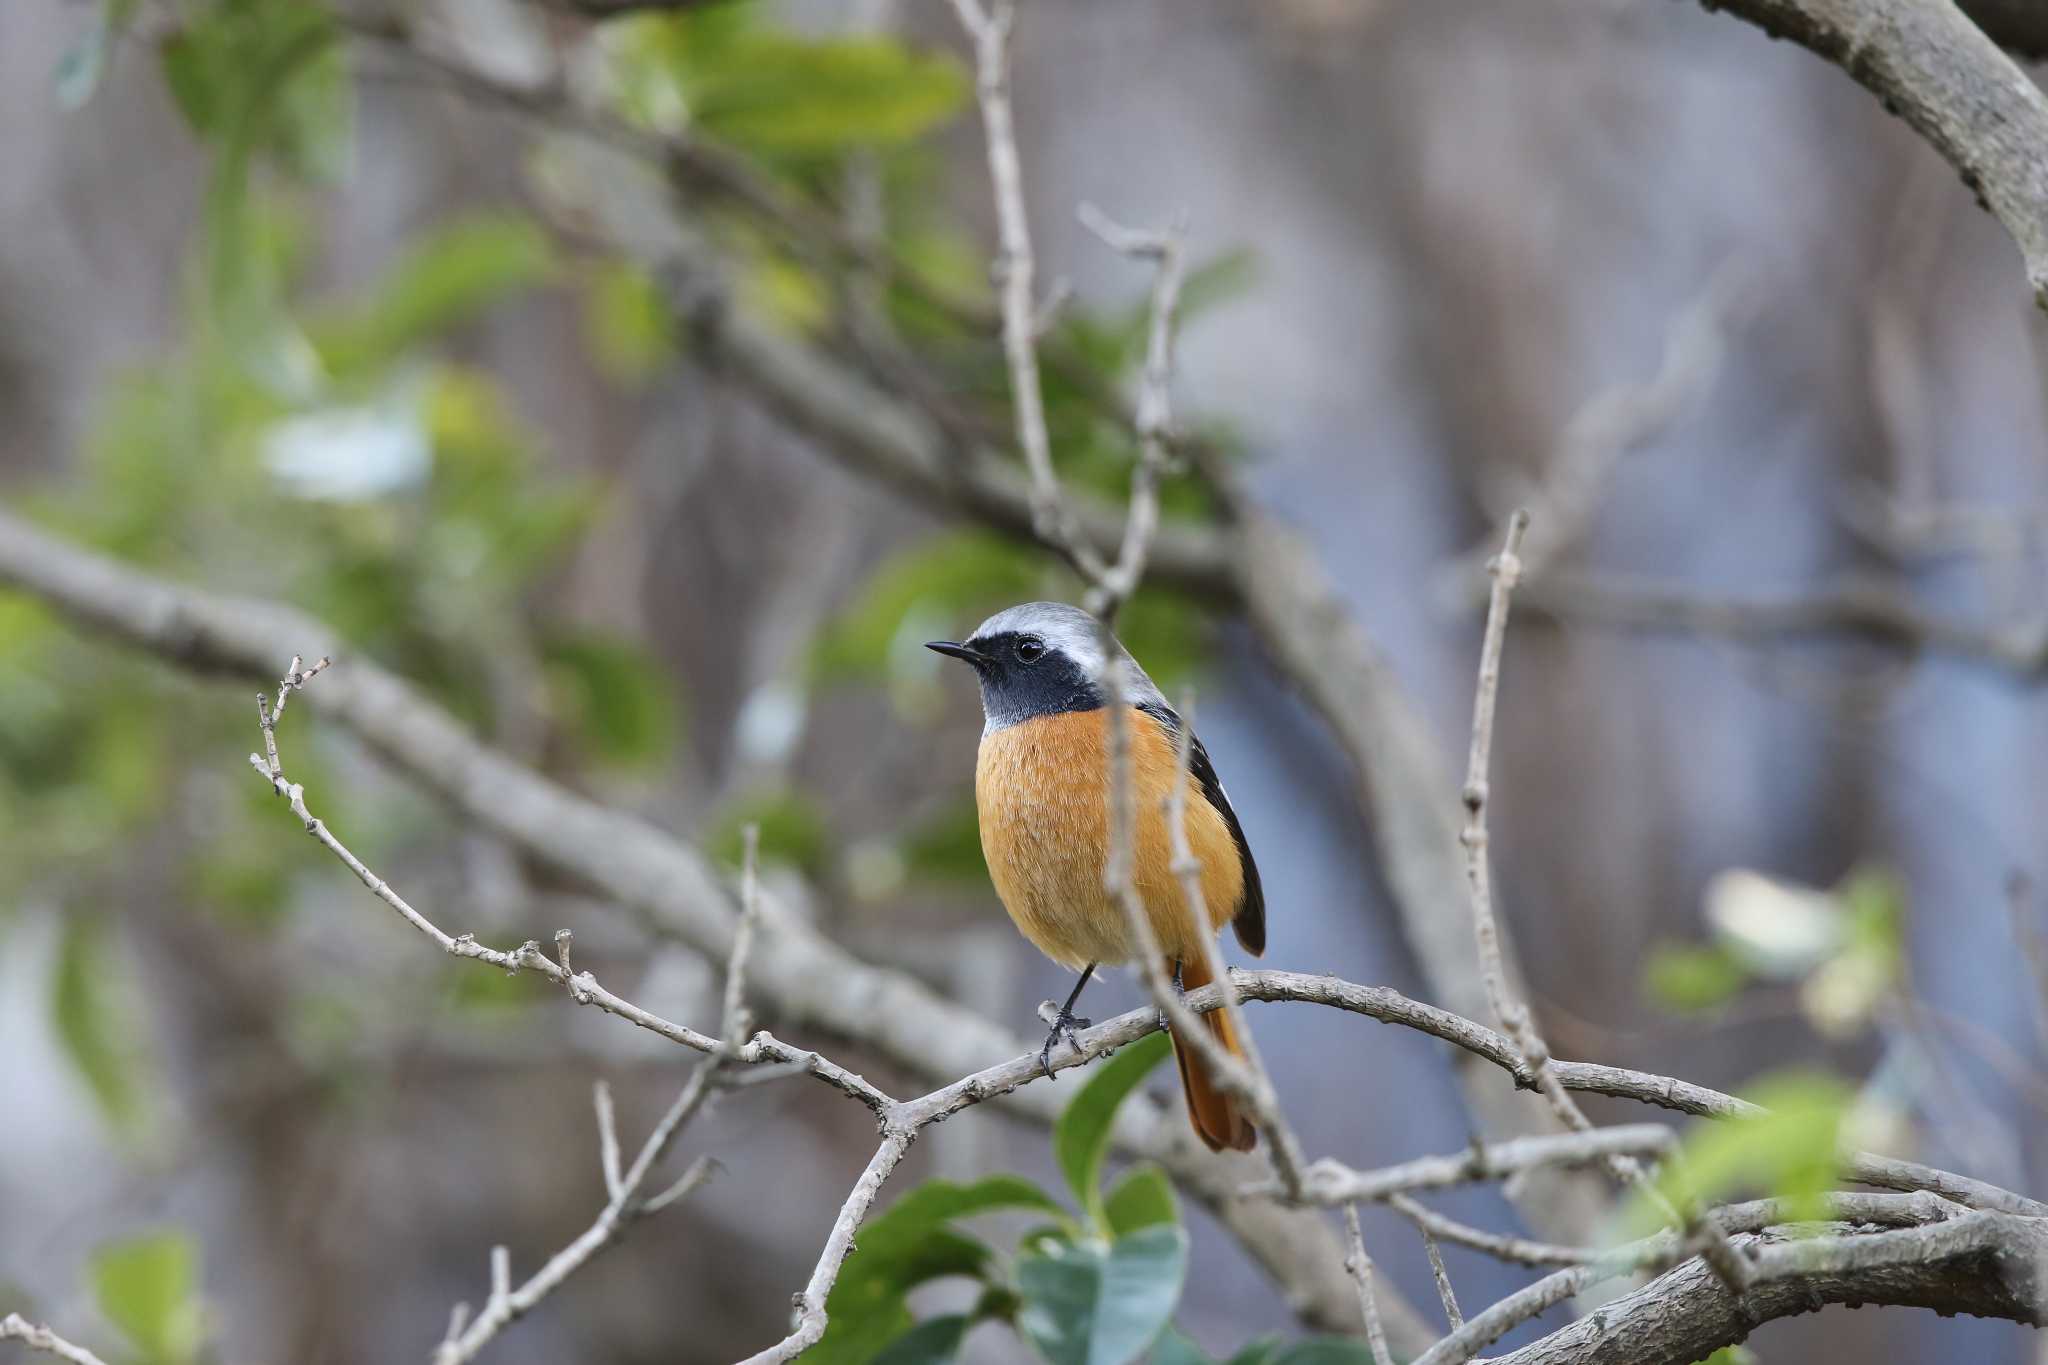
column 1250, row 920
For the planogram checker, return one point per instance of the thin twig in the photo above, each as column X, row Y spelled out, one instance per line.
column 1119, row 876
column 1155, row 411
column 1285, row 1147
column 607, row 1137
column 1015, row 268
column 1443, row 1281
column 583, row 987
column 1505, row 570
column 1359, row 1265
column 1330, row 1182
column 623, row 1202
column 1518, row 1250
column 811, row 1319
column 14, row 1327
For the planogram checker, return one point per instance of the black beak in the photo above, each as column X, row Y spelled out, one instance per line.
column 973, row 656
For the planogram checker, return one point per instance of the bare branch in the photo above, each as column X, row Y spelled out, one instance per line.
column 1242, row 1079
column 811, row 1321
column 1154, row 417
column 1519, row 1250
column 1285, row 1147
column 1935, row 69
column 1330, row 1183
column 1505, row 570
column 1360, row 1267
column 14, row 1327
column 989, row 28
column 1455, row 1318
column 607, row 1138
column 583, row 987
column 1989, row 1264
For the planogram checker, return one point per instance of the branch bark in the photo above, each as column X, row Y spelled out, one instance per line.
column 1939, row 72
column 1986, row 1264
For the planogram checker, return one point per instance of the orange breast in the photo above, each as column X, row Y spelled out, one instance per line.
column 1041, row 788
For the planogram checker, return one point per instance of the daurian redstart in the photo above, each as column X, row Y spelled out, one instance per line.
column 1042, row 791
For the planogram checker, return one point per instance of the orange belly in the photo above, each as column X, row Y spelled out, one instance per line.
column 1041, row 788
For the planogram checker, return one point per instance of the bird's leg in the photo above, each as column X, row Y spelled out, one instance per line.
column 1066, row 1022
column 1179, row 992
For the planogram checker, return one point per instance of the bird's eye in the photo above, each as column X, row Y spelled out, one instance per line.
column 1030, row 650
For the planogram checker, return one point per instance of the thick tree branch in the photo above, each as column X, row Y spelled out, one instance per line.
column 1986, row 1264
column 1939, row 72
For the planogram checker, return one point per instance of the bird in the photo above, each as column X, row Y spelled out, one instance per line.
column 1041, row 792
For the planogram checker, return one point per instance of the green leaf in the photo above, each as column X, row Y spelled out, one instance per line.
column 1684, row 977
column 780, row 94
column 447, row 277
column 148, row 1288
column 908, row 1246
column 1080, row 1140
column 941, row 1201
column 85, row 1010
column 935, row 1341
column 612, row 695
column 1172, row 1348
column 1791, row 1152
column 1142, row 1199
column 261, row 79
column 1257, row 1351
column 1097, row 1305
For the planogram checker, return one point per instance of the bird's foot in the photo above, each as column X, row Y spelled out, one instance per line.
column 1065, row 1024
column 1180, row 992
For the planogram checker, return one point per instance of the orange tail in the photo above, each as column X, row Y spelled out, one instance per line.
column 1219, row 1120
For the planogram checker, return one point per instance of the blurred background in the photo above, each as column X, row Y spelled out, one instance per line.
column 386, row 343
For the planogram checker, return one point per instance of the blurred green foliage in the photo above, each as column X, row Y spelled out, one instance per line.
column 785, row 98
column 794, row 831
column 93, row 1022
column 1845, row 956
column 1792, row 1151
column 148, row 1287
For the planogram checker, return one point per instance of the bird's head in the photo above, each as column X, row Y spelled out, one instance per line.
column 1041, row 659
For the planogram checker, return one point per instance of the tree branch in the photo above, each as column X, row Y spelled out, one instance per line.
column 1987, row 1264
column 1331, row 1183
column 1938, row 71
column 14, row 1327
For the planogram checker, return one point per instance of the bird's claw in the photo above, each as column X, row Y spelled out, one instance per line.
column 1065, row 1024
